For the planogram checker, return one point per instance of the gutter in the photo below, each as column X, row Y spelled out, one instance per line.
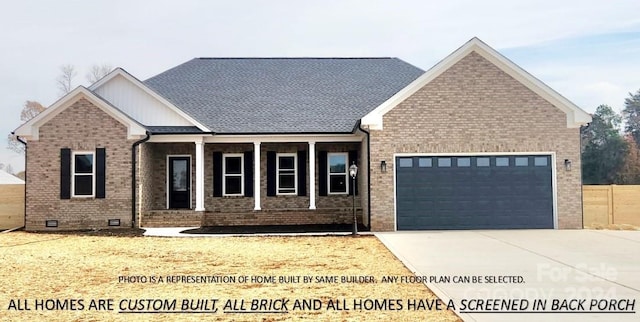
column 133, row 177
column 359, row 126
column 24, row 220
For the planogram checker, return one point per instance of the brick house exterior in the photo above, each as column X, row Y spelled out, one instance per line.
column 86, row 152
column 423, row 124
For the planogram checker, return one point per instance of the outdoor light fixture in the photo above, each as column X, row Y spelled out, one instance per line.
column 567, row 164
column 51, row 223
column 114, row 222
column 353, row 172
column 383, row 166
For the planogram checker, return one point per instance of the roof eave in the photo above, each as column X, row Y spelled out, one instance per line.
column 575, row 115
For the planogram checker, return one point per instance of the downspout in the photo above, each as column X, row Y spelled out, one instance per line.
column 368, row 172
column 133, row 177
column 581, row 181
column 24, row 220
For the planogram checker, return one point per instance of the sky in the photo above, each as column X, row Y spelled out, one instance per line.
column 587, row 50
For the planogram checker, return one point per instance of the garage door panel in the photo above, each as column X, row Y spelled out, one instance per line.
column 474, row 192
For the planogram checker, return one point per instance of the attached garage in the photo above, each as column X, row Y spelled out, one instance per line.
column 474, row 192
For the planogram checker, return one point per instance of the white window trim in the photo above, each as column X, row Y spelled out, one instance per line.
column 346, row 173
column 73, row 174
column 225, row 175
column 295, row 174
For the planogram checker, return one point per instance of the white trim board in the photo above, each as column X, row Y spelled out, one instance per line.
column 30, row 129
column 575, row 115
column 257, row 138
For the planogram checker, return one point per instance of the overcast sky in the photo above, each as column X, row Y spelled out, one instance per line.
column 588, row 50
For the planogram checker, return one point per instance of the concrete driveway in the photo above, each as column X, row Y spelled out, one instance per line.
column 530, row 275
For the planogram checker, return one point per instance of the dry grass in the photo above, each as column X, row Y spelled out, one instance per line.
column 61, row 266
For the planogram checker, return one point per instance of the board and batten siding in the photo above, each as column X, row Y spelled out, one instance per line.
column 138, row 104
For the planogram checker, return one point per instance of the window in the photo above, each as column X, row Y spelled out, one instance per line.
column 406, row 162
column 522, row 161
column 540, row 161
column 338, row 173
column 444, row 162
column 287, row 174
column 482, row 162
column 425, row 163
column 502, row 162
column 233, row 175
column 464, row 162
column 83, row 178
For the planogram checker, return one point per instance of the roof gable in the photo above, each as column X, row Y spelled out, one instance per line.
column 282, row 95
column 140, row 102
column 30, row 129
column 575, row 115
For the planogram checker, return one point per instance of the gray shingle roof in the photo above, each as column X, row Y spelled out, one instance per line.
column 282, row 95
column 173, row 129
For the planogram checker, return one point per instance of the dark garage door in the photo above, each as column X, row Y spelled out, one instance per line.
column 474, row 192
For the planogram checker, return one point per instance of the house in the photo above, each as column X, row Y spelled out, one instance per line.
column 474, row 142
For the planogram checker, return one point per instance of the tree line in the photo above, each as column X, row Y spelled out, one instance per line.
column 611, row 145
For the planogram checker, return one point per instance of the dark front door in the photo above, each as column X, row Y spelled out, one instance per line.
column 179, row 182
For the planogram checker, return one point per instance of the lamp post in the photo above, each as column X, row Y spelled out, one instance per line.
column 353, row 172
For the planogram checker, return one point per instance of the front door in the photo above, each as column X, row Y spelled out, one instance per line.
column 179, row 182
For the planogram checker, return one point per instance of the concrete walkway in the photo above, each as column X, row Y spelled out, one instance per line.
column 180, row 232
column 570, row 268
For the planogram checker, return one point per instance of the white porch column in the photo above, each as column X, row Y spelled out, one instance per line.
column 312, row 175
column 199, row 175
column 256, row 175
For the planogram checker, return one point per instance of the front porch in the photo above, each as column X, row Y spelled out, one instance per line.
column 215, row 181
column 272, row 217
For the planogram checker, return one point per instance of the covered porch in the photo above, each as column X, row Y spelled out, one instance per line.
column 235, row 180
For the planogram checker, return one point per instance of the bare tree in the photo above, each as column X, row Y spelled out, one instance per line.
column 8, row 169
column 97, row 72
column 29, row 111
column 65, row 80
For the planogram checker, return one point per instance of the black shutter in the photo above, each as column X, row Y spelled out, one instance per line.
column 271, row 173
column 101, row 166
column 65, row 173
column 353, row 157
column 322, row 173
column 302, row 173
column 248, row 174
column 217, row 174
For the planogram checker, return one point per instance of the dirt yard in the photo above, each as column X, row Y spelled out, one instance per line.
column 63, row 277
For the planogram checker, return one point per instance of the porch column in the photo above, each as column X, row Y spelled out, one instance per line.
column 312, row 175
column 199, row 175
column 256, row 175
